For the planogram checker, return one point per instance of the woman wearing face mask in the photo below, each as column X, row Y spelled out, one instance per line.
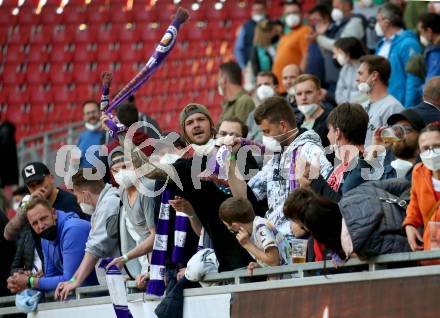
column 347, row 52
column 424, row 206
column 267, row 35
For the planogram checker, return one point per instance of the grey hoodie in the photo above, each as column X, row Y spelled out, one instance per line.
column 99, row 244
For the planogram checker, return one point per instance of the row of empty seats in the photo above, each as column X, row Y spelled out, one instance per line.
column 50, row 63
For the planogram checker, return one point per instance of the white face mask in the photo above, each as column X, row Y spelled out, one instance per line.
column 378, row 30
column 264, row 92
column 342, row 59
column 258, row 17
column 15, row 206
column 271, row 144
column 125, row 178
column 431, row 160
column 401, row 167
column 169, row 158
column 205, row 149
column 291, row 91
column 364, row 87
column 92, row 127
column 337, row 15
column 274, row 145
column 87, row 208
column 221, row 91
column 293, row 20
column 308, row 109
column 424, row 40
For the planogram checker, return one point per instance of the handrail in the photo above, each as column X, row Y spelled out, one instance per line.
column 313, row 266
column 374, row 266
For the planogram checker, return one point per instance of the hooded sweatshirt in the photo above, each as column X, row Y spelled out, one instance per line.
column 272, row 182
column 98, row 243
column 403, row 85
column 432, row 61
column 63, row 256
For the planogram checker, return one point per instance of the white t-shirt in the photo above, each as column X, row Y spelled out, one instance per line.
column 379, row 113
column 265, row 235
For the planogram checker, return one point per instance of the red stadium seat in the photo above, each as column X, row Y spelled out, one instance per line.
column 38, row 113
column 27, row 16
column 97, row 14
column 62, row 94
column 106, row 36
column 60, row 74
column 20, row 35
column 85, row 92
column 85, row 36
column 106, row 53
column 215, row 15
column 42, row 36
column 15, row 114
column 12, row 74
column 120, row 16
column 82, row 73
column 147, row 34
column 49, row 15
column 238, row 11
column 6, row 18
column 60, row 53
column 38, row 53
column 82, row 53
column 141, row 15
column 63, row 35
column 40, row 95
column 15, row 53
column 128, row 71
column 74, row 15
column 18, row 97
column 128, row 53
column 130, row 35
column 35, row 74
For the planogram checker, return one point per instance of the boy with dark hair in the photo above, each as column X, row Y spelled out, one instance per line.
column 254, row 233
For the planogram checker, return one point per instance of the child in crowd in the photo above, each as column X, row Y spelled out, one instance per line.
column 255, row 234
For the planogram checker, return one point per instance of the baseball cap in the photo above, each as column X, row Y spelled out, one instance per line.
column 34, row 171
column 410, row 115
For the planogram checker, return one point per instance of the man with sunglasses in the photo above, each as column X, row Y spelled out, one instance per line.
column 406, row 150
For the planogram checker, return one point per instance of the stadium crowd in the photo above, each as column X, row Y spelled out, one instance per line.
column 329, row 138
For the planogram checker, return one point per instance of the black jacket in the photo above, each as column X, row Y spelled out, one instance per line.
column 374, row 213
column 24, row 256
column 9, row 163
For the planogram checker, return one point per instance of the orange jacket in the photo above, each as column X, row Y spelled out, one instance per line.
column 291, row 49
column 422, row 201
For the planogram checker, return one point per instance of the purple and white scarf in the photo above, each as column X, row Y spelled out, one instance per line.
column 116, row 288
column 156, row 285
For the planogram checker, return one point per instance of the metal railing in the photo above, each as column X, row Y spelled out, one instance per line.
column 383, row 266
column 44, row 146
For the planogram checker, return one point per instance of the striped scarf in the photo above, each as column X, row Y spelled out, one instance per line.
column 156, row 285
column 116, row 288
